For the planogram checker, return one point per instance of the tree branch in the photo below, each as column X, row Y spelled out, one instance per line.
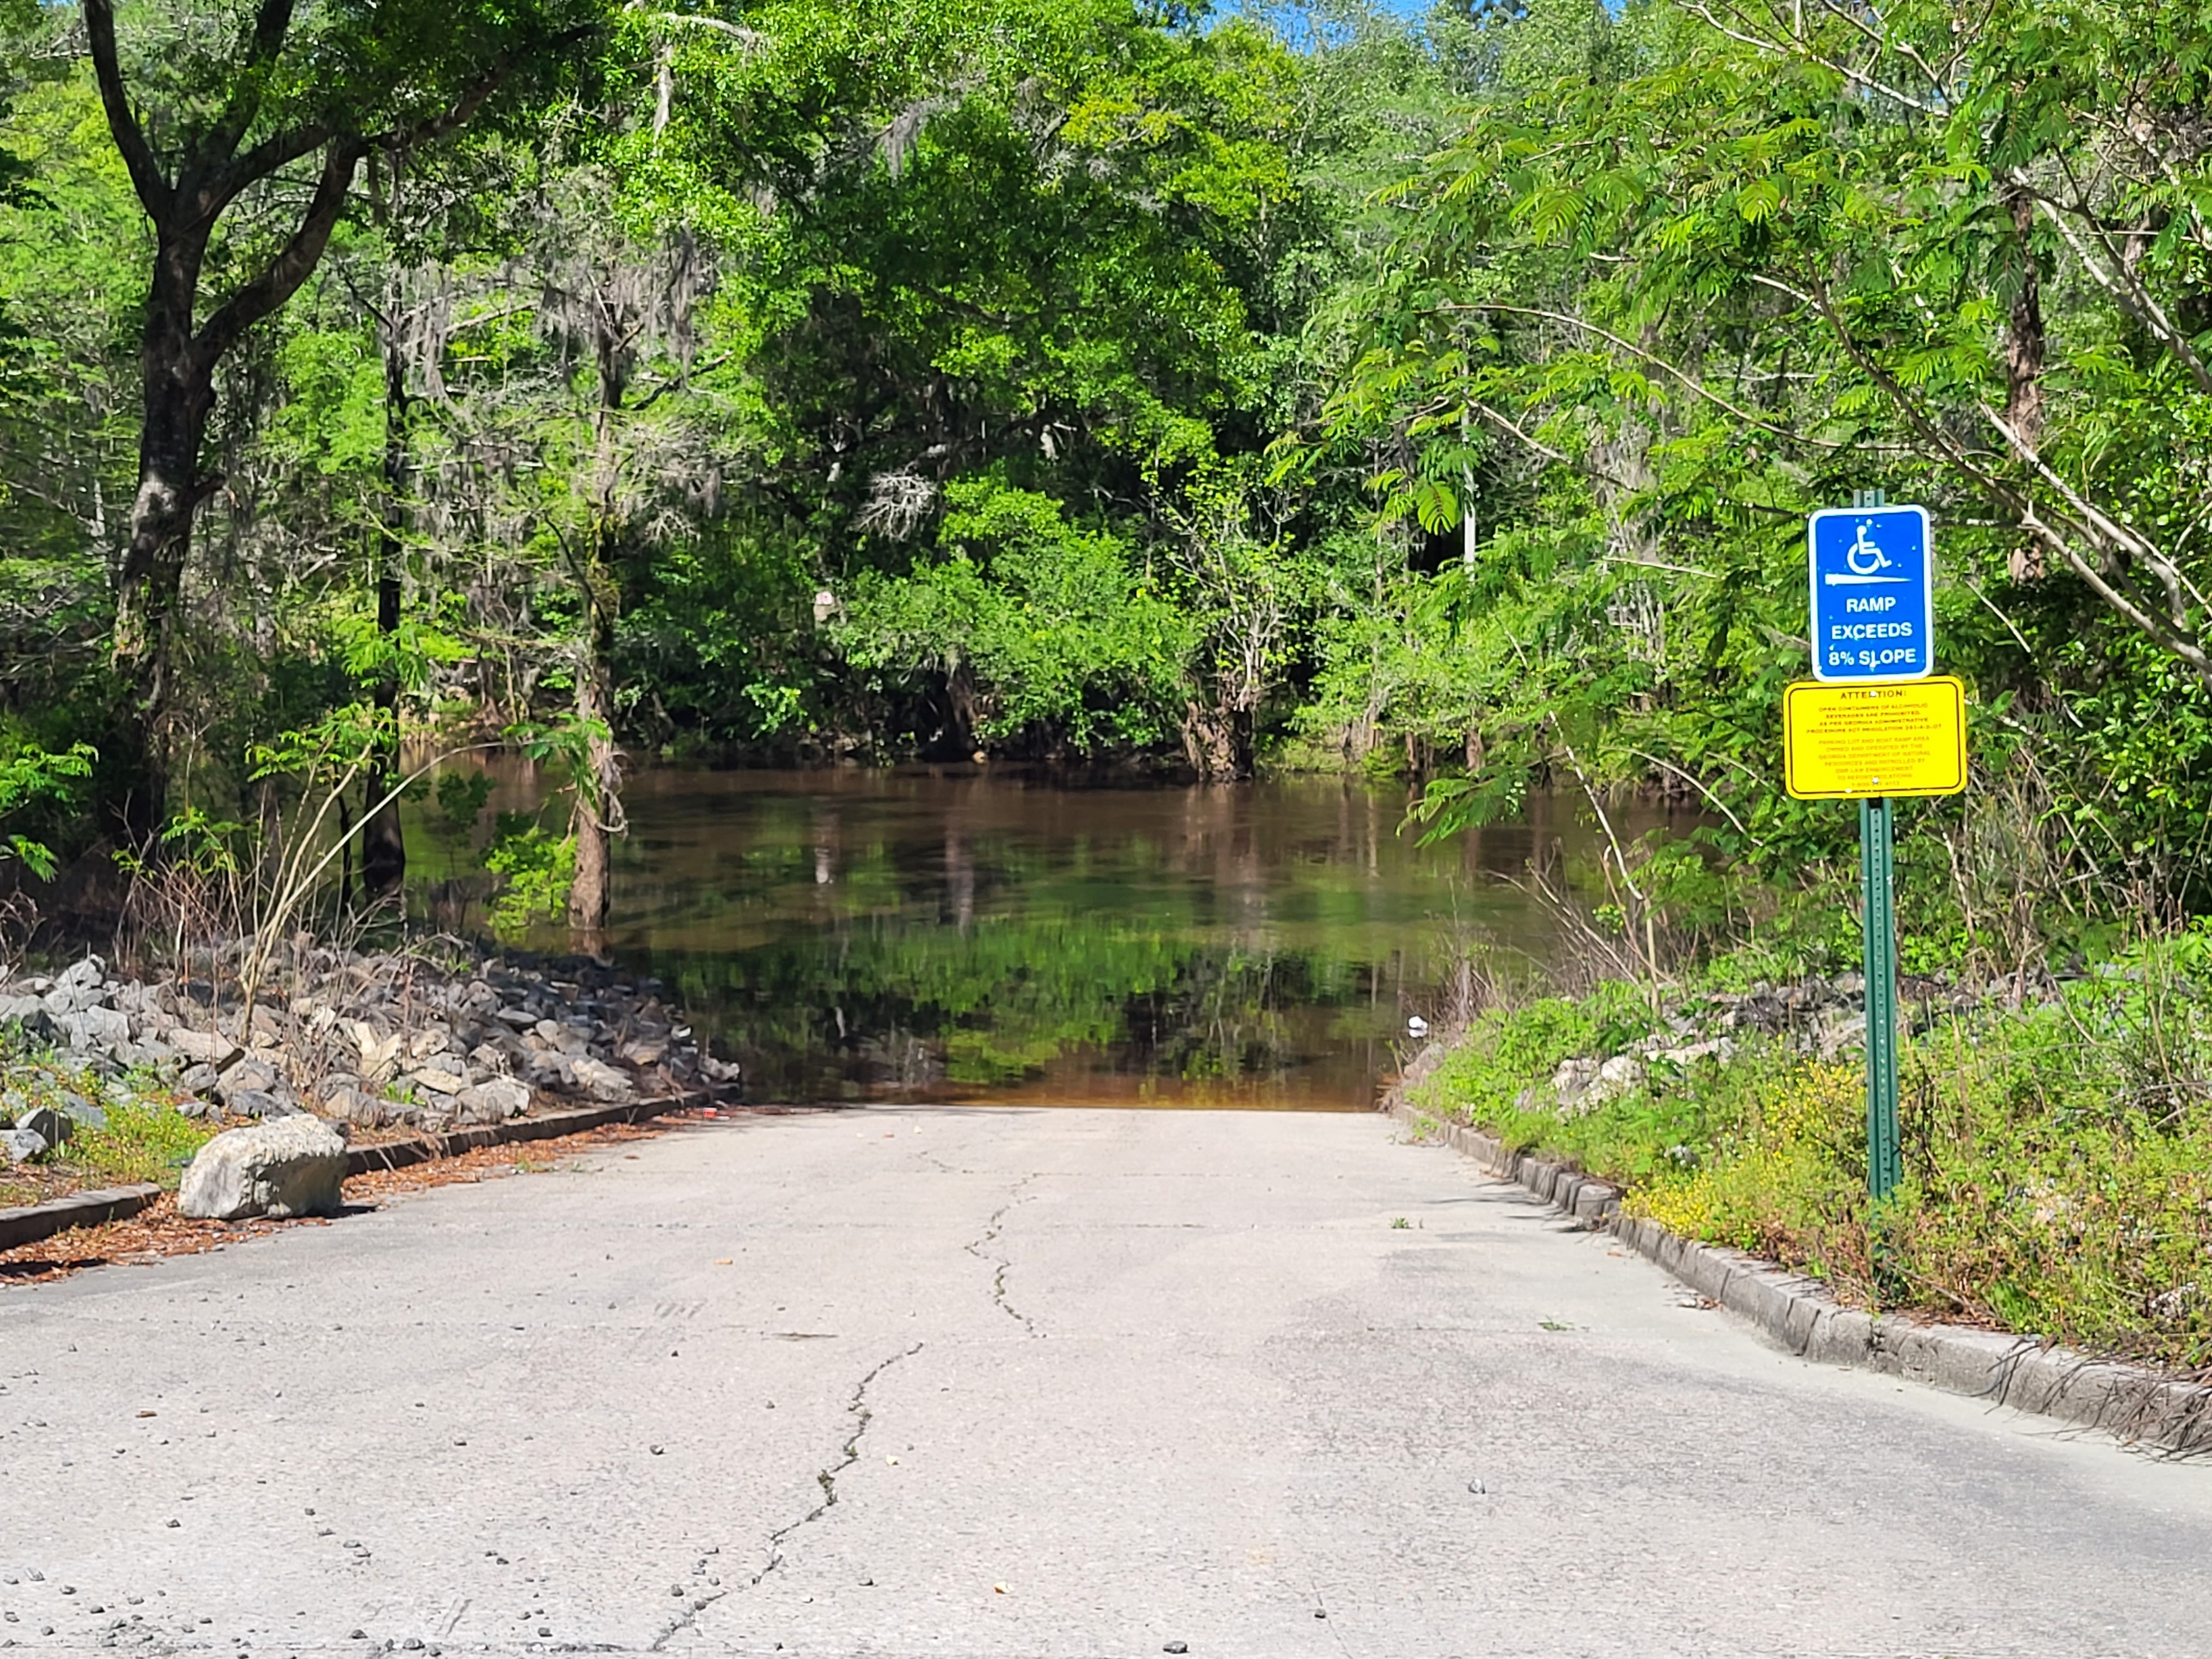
column 1905, row 49
column 2129, row 541
column 1797, row 46
column 1688, row 382
column 281, row 278
column 271, row 23
column 2122, row 284
column 154, row 190
column 464, row 108
column 263, row 159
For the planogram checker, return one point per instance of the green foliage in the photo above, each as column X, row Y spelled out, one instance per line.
column 200, row 845
column 1671, row 287
column 1080, row 381
column 1052, row 632
column 31, row 777
column 536, row 871
column 146, row 1140
column 2057, row 1158
column 341, row 742
column 568, row 742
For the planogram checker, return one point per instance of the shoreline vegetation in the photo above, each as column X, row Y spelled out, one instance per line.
column 2057, row 1134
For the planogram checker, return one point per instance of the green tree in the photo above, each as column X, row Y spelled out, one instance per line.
column 1687, row 275
column 1044, row 636
column 208, row 111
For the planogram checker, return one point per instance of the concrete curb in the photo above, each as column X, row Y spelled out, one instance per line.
column 424, row 1149
column 30, row 1223
column 2133, row 1405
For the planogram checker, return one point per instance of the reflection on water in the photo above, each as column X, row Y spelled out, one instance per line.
column 963, row 935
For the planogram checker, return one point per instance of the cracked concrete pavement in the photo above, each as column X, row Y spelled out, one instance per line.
column 1039, row 1383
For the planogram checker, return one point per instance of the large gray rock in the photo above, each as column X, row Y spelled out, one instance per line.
column 499, row 1056
column 82, row 1111
column 348, row 1104
column 432, row 1039
column 1573, row 1079
column 210, row 1047
column 244, row 1075
column 492, row 1101
column 100, row 1029
column 1614, row 1078
column 84, row 976
column 97, row 1061
column 21, row 1145
column 434, row 1081
column 285, row 1167
column 601, row 1080
column 49, row 1126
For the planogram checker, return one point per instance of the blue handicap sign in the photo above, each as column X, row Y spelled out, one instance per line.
column 1874, row 588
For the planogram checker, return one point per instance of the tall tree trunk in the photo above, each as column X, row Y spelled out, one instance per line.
column 598, row 809
column 383, row 843
column 598, row 800
column 184, row 200
column 1220, row 739
column 179, row 389
column 2024, row 356
column 960, row 703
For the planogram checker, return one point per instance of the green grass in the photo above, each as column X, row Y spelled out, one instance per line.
column 2057, row 1158
column 146, row 1140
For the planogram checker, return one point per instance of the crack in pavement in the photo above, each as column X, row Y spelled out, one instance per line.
column 1320, row 1611
column 826, row 1478
column 858, row 1408
column 992, row 1228
column 689, row 1616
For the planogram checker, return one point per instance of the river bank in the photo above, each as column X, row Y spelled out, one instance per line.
column 106, row 1078
column 2056, row 1135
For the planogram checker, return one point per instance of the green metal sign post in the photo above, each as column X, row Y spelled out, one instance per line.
column 1878, row 894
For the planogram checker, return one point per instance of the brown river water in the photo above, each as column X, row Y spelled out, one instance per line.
column 975, row 934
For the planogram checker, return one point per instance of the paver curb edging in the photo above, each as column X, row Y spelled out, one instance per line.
column 422, row 1149
column 30, row 1223
column 2126, row 1401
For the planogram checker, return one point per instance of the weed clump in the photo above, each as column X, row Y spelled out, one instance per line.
column 132, row 1133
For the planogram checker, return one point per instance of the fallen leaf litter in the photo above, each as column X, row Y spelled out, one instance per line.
column 159, row 1231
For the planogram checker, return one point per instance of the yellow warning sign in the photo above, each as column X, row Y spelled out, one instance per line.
column 1905, row 738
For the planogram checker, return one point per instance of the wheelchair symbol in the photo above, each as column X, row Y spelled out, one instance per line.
column 1864, row 557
